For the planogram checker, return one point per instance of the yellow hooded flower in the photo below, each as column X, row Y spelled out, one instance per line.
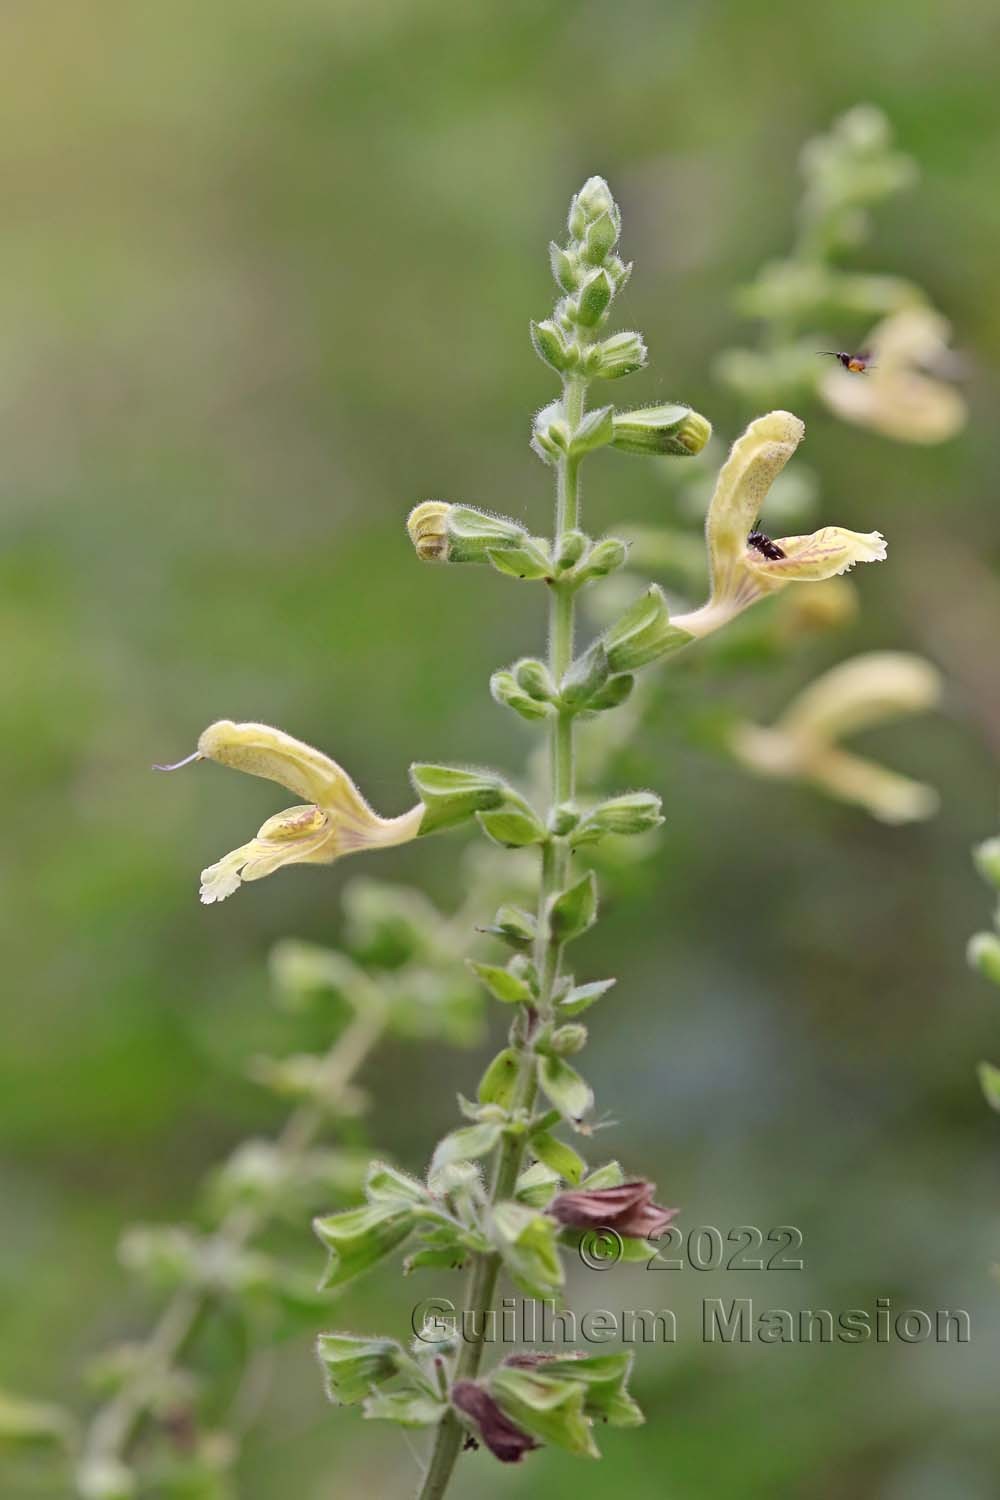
column 743, row 571
column 858, row 694
column 335, row 819
column 899, row 396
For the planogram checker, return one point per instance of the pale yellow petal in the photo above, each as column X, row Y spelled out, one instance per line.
column 300, row 835
column 262, row 751
column 755, row 461
column 823, row 554
column 885, row 794
column 862, row 692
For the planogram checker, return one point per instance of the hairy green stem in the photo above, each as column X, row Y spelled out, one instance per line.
column 115, row 1426
column 485, row 1271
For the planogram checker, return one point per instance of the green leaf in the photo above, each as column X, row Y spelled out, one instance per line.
column 467, row 1144
column 582, row 996
column 564, row 1087
column 360, row 1238
column 574, row 910
column 559, row 1156
column 498, row 1084
column 501, row 983
column 353, row 1366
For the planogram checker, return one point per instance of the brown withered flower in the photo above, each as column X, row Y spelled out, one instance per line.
column 505, row 1441
column 627, row 1209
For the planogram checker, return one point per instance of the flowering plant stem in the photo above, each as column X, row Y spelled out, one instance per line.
column 118, row 1423
column 554, row 865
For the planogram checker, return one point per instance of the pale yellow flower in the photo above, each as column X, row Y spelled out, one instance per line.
column 335, row 819
column 856, row 695
column 900, row 396
column 740, row 572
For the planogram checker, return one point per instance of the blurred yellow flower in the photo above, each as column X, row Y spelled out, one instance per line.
column 858, row 694
column 900, row 396
column 335, row 820
column 742, row 572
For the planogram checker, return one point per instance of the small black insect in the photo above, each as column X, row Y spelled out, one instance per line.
column 762, row 543
column 858, row 364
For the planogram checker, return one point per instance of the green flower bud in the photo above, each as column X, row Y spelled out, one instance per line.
column 452, row 795
column 553, row 347
column 570, row 548
column 612, row 695
column 652, row 430
column 516, row 928
column 505, row 690
column 441, row 532
column 537, row 1185
column 593, row 200
column 563, row 819
column 600, row 238
column 618, row 270
column 565, row 268
column 498, row 1084
column 571, row 1095
column 585, row 677
column 984, row 955
column 987, row 858
column 352, row 1366
column 616, row 356
column 566, row 1041
column 643, row 633
column 526, row 1241
column 550, row 435
column 534, row 676
column 631, row 813
column 593, row 299
column 606, row 556
column 595, row 431
column 989, row 1082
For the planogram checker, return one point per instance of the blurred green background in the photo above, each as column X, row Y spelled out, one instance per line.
column 265, row 278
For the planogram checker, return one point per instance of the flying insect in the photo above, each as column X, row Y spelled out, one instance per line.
column 858, row 364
